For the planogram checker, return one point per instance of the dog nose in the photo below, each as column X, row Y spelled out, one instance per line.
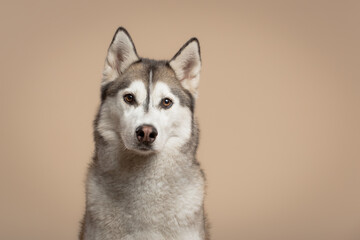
column 146, row 134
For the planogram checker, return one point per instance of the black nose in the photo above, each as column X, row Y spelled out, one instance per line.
column 146, row 134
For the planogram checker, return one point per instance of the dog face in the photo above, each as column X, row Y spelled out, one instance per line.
column 148, row 105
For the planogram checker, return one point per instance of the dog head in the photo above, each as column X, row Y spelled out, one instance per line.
column 147, row 105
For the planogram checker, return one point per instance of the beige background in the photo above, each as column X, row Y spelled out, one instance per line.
column 278, row 108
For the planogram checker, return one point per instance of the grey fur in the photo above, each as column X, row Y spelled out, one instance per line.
column 131, row 196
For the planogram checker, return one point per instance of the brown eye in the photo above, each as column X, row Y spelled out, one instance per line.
column 166, row 103
column 129, row 98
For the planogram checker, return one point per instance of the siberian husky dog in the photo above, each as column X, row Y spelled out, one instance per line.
column 144, row 181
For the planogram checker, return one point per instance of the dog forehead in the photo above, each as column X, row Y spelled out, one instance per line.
column 164, row 79
column 136, row 72
column 150, row 73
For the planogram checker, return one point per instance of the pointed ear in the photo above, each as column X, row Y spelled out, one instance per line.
column 121, row 54
column 187, row 64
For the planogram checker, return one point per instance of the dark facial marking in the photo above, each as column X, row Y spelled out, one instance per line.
column 103, row 91
column 150, row 68
column 185, row 97
column 112, row 88
column 147, row 101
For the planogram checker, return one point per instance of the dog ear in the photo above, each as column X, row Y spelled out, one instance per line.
column 187, row 64
column 121, row 54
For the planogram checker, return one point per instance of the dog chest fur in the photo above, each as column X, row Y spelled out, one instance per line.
column 153, row 196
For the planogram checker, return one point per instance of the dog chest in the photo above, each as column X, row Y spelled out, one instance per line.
column 146, row 201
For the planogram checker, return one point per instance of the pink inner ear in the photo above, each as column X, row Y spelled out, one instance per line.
column 119, row 56
column 187, row 61
column 188, row 67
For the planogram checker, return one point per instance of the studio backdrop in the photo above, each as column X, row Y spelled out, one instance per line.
column 279, row 111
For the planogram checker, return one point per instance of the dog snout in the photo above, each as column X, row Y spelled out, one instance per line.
column 146, row 134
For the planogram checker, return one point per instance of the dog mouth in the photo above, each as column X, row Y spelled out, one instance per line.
column 144, row 148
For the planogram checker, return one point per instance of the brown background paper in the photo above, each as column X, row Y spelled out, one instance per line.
column 279, row 111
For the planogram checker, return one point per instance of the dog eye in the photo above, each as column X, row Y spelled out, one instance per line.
column 129, row 98
column 166, row 103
